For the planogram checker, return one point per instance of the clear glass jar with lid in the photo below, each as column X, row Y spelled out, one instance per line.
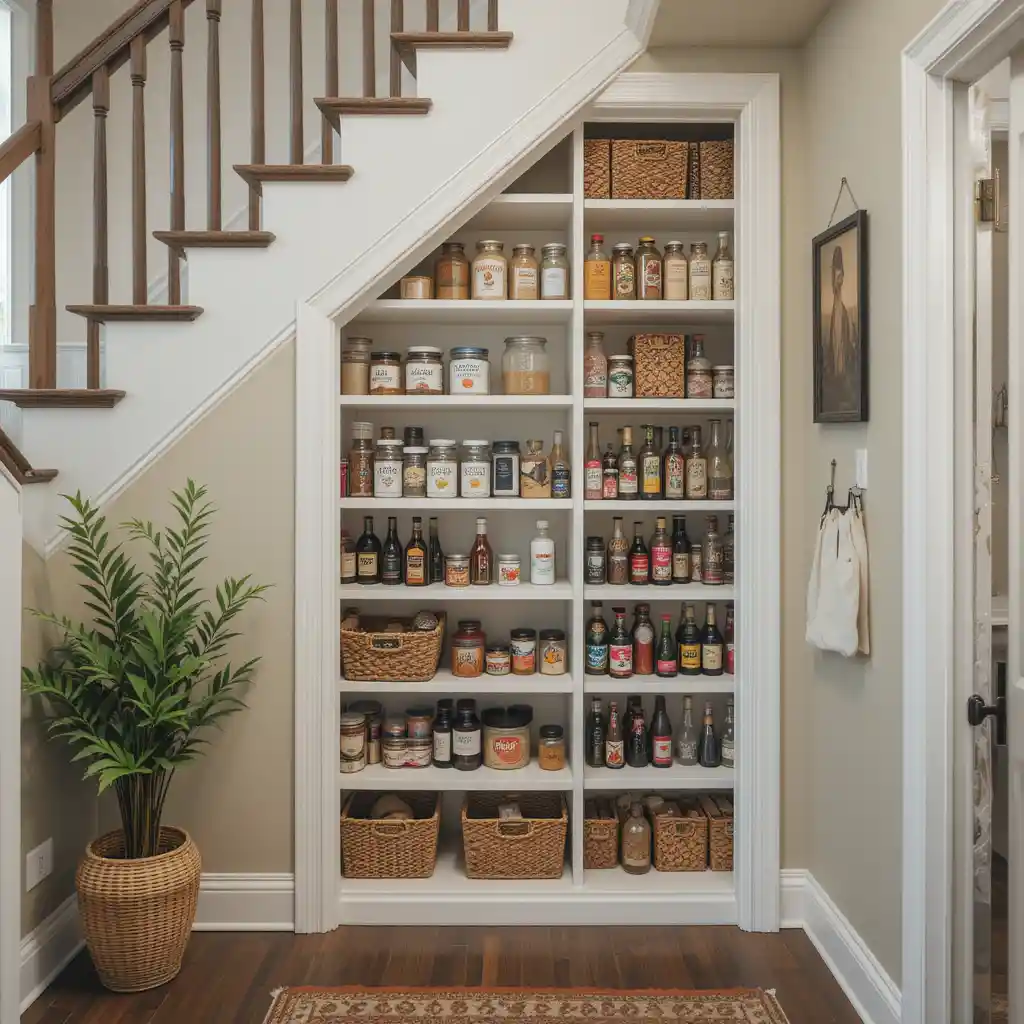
column 522, row 273
column 524, row 366
column 360, row 461
column 475, row 474
column 387, row 468
column 623, row 271
column 676, row 272
column 490, row 270
column 386, row 373
column 451, row 272
column 648, row 269
column 355, row 366
column 554, row 271
column 442, row 469
column 424, row 372
column 414, row 472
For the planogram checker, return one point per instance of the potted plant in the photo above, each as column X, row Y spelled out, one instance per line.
column 134, row 695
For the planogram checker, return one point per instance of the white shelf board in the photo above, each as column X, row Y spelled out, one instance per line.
column 532, row 777
column 660, row 508
column 676, row 405
column 673, row 313
column 653, row 684
column 524, row 211
column 457, row 403
column 682, row 216
column 669, row 883
column 660, row 779
column 693, row 592
column 539, row 506
column 445, row 682
column 467, row 311
column 560, row 590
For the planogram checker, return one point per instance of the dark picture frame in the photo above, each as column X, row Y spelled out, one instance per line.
column 840, row 331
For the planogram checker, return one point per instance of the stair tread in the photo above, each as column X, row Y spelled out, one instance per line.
column 105, row 313
column 61, row 398
column 335, row 107
column 256, row 174
column 215, row 239
column 464, row 40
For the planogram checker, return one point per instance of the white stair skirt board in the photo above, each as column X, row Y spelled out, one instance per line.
column 874, row 995
column 48, row 949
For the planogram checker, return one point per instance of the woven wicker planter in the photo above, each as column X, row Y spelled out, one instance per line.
column 137, row 914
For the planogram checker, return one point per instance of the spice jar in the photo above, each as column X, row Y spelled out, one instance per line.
column 393, row 751
column 416, row 287
column 551, row 753
column 475, row 475
column 554, row 271
column 468, row 645
column 508, row 570
column 505, row 469
column 386, row 373
column 374, row 713
column 676, row 272
column 522, row 273
column 620, row 376
column 648, row 269
column 552, row 652
column 418, row 722
column 442, row 468
column 524, row 366
column 353, row 742
column 700, row 272
column 723, row 382
column 490, row 270
column 355, row 367
column 424, row 373
column 498, row 660
column 594, row 568
column 414, row 473
column 360, row 461
column 506, row 738
column 623, row 271
column 469, row 371
column 418, row 752
column 451, row 272
column 456, row 570
column 466, row 736
column 524, row 652
column 387, row 469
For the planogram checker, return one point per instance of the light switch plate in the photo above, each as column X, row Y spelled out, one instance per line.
column 862, row 467
column 38, row 864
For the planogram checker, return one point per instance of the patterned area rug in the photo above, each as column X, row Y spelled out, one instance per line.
column 482, row 1006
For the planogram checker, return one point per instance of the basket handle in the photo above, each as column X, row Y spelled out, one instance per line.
column 602, row 831
column 389, row 828
column 385, row 642
column 514, row 829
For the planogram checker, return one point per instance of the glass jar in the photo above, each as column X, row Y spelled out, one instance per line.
column 456, row 570
column 623, row 271
column 509, row 572
column 594, row 564
column 414, row 473
column 551, row 752
column 360, row 461
column 475, row 472
column 524, row 652
column 522, row 273
column 723, row 382
column 355, row 366
column 505, row 469
column 424, row 372
column 490, row 270
column 416, row 286
column 353, row 742
column 554, row 271
column 597, row 271
column 722, row 271
column 387, row 469
column 676, row 272
column 469, row 371
column 373, row 710
column 442, row 469
column 466, row 747
column 386, row 373
column 498, row 660
column 451, row 272
column 468, row 644
column 524, row 366
column 552, row 656
column 699, row 378
column 700, row 272
column 620, row 376
column 595, row 367
column 418, row 722
column 648, row 269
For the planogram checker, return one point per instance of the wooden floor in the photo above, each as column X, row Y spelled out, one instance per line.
column 227, row 978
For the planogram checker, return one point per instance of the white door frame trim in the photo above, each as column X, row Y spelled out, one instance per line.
column 966, row 39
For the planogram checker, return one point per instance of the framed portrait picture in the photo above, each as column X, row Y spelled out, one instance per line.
column 841, row 322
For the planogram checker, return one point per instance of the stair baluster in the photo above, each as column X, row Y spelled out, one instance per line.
column 177, row 41
column 331, row 82
column 397, row 25
column 100, row 258
column 295, row 75
column 140, row 275
column 214, row 217
column 257, row 77
column 463, row 18
column 369, row 51
column 433, row 15
column 492, row 15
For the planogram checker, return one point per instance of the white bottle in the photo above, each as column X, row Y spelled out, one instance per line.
column 542, row 556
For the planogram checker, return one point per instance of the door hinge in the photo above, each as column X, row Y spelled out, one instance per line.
column 986, row 199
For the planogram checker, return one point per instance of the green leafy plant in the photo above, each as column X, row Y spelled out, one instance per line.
column 134, row 694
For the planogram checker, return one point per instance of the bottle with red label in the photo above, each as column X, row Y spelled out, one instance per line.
column 639, row 559
column 614, row 745
column 730, row 639
column 643, row 641
column 666, row 663
column 593, row 479
column 661, row 555
column 661, row 736
column 620, row 648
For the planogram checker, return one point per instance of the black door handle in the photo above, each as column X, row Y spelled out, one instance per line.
column 978, row 711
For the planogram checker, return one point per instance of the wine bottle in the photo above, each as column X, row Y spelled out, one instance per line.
column 666, row 657
column 416, row 556
column 595, row 735
column 481, row 558
column 643, row 641
column 627, row 467
column 436, row 555
column 368, row 554
column 688, row 744
column 593, row 486
column 649, row 467
column 636, row 745
column 348, row 558
column 712, row 645
column 391, row 556
column 680, row 551
column 696, row 469
column 674, row 470
column 561, row 474
column 597, row 642
column 688, row 638
column 729, row 739
column 730, row 639
column 712, row 559
column 639, row 559
column 661, row 735
column 610, row 474
column 710, row 752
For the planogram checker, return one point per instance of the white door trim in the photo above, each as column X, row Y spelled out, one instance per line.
column 966, row 39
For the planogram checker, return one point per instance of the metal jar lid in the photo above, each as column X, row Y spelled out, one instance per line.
column 475, row 444
column 505, row 447
column 620, row 359
column 443, row 442
column 551, row 732
column 369, row 708
column 423, row 351
column 353, row 721
column 415, row 451
column 622, row 247
column 552, row 634
column 555, row 248
column 490, row 243
column 524, row 634
column 377, row 357
column 519, row 716
column 526, row 339
column 468, row 352
column 508, row 558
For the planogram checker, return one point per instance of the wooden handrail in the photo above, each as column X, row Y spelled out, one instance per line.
column 18, row 466
column 19, row 147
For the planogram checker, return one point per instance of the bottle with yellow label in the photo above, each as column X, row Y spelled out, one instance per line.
column 688, row 638
column 597, row 271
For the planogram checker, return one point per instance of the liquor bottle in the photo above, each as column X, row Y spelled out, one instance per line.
column 618, row 555
column 436, row 555
column 593, row 485
column 696, row 469
column 636, row 744
column 722, row 267
column 416, row 556
column 597, row 271
column 481, row 558
column 729, row 739
column 442, row 734
column 688, row 638
column 687, row 746
column 614, row 745
column 620, row 648
column 661, row 735
column 666, row 657
column 636, row 842
column 595, row 367
column 391, row 556
column 729, row 554
column 710, row 752
column 627, row 467
column 719, row 468
column 561, row 474
column 699, row 375
column 649, row 467
column 643, row 641
column 712, row 557
column 610, row 474
column 597, row 642
column 348, row 558
column 674, row 467
column 368, row 554
column 696, row 552
column 730, row 639
column 661, row 555
column 595, row 735
column 712, row 645
column 542, row 556
column 680, row 551
column 639, row 559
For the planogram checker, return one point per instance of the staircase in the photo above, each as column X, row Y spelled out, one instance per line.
column 390, row 176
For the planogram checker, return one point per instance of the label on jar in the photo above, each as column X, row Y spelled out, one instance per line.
column 506, row 475
column 597, row 279
column 553, row 283
column 414, row 481
column 620, row 382
column 652, row 274
column 366, row 564
column 675, row 468
column 524, row 283
column 415, row 569
column 700, row 279
column 476, row 479
column 468, row 376
column 614, row 752
column 661, row 751
column 611, row 483
column 424, row 378
column 681, row 566
column 689, row 657
column 711, row 657
column 625, row 283
column 686, row 750
column 361, row 484
column 620, row 659
column 711, row 570
column 442, row 747
column 677, row 280
column 489, row 278
column 699, row 384
column 722, row 285
column 508, row 574
column 466, row 743
column 387, row 480
column 597, row 657
column 452, row 279
column 508, row 750
column 627, row 481
column 524, row 656
column 348, row 565
column 595, row 568
column 467, row 662
column 661, row 564
column 592, row 477
column 560, row 477
column 353, row 744
column 696, row 478
column 385, row 378
column 440, row 479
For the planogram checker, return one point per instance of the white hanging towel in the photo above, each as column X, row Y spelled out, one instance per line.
column 832, row 621
column 860, row 546
column 814, row 585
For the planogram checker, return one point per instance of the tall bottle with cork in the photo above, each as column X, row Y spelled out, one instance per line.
column 593, row 472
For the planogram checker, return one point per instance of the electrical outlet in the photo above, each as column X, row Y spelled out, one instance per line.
column 38, row 864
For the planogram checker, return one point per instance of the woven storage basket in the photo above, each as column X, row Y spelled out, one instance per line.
column 389, row 849
column 681, row 843
column 659, row 365
column 716, row 170
column 720, row 820
column 530, row 847
column 600, row 843
column 597, row 168
column 137, row 914
column 391, row 657
column 693, row 172
column 649, row 169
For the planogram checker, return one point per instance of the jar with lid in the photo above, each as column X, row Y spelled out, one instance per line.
column 490, row 270
column 414, row 473
column 373, row 711
column 551, row 753
column 699, row 379
column 475, row 475
column 595, row 367
column 387, row 469
column 524, row 366
column 505, row 469
column 424, row 372
column 623, row 271
column 466, row 755
column 594, row 567
column 524, row 652
column 442, row 469
column 413, row 437
column 509, row 571
column 522, row 273
column 554, row 271
column 386, row 373
column 468, row 645
column 456, row 570
column 552, row 652
column 451, row 272
column 498, row 660
column 723, row 381
column 676, row 272
column 700, row 272
column 353, row 742
column 416, row 286
column 620, row 376
column 648, row 269
column 506, row 739
column 469, row 371
column 355, row 366
column 360, row 461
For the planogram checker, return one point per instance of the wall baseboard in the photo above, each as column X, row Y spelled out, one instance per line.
column 246, row 903
column 48, row 949
column 869, row 988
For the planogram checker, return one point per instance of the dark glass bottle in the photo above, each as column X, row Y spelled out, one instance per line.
column 416, row 556
column 597, row 642
column 348, row 558
column 442, row 756
column 649, row 467
column 614, row 745
column 368, row 554
column 643, row 641
column 609, row 474
column 481, row 558
column 391, row 556
column 620, row 648
column 435, row 554
column 639, row 559
column 729, row 555
column 661, row 555
column 712, row 645
column 710, row 751
column 636, row 744
column 680, row 551
column 466, row 750
column 666, row 656
column 595, row 735
column 688, row 637
column 661, row 735
column 730, row 639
